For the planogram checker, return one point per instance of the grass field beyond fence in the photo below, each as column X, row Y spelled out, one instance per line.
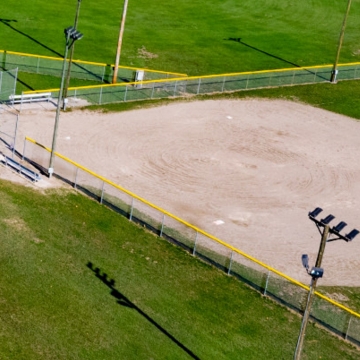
column 192, row 37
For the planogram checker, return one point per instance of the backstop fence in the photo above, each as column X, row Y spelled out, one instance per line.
column 188, row 86
column 7, row 84
column 86, row 70
column 265, row 279
column 8, row 128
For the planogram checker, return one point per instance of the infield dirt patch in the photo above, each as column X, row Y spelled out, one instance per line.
column 246, row 171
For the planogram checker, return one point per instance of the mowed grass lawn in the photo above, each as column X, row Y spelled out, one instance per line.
column 156, row 301
column 189, row 36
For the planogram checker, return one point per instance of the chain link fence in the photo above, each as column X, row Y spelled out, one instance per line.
column 182, row 87
column 268, row 281
column 7, row 84
column 8, row 128
column 84, row 70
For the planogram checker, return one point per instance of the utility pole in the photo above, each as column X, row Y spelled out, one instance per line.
column 341, row 38
column 310, row 298
column 67, row 83
column 121, row 33
column 71, row 35
column 317, row 272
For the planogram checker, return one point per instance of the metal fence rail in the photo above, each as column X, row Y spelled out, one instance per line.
column 188, row 86
column 85, row 70
column 267, row 280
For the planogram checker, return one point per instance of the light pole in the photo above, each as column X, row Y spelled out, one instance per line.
column 341, row 38
column 316, row 272
column 71, row 57
column 71, row 36
column 118, row 51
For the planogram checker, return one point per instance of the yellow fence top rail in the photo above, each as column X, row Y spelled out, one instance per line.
column 191, row 78
column 284, row 276
column 89, row 62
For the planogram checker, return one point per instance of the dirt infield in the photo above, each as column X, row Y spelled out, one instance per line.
column 246, row 171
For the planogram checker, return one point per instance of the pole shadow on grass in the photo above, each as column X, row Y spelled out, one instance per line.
column 124, row 301
column 238, row 40
column 7, row 22
column 2, row 68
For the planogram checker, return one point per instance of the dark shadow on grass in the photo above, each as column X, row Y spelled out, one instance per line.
column 7, row 22
column 124, row 301
column 17, row 79
column 238, row 40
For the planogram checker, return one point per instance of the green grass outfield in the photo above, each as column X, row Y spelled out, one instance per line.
column 161, row 304
column 189, row 36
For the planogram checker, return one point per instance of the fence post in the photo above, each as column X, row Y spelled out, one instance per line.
column 22, row 95
column 15, row 136
column 100, row 96
column 196, row 238
column 103, row 74
column 198, row 89
column 293, row 77
column 267, row 282
column 76, row 175
column 347, row 330
column 223, row 85
column 23, row 156
column 75, row 94
column 37, row 65
column 132, row 208
column 162, row 225
column 125, row 92
column 102, row 193
column 247, row 81
column 152, row 91
column 175, row 88
column 315, row 75
column 230, row 263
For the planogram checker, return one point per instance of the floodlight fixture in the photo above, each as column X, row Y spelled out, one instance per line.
column 305, row 261
column 327, row 220
column 351, row 235
column 340, row 226
column 316, row 272
column 69, row 31
column 77, row 35
column 313, row 214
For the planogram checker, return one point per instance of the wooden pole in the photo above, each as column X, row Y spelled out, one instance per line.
column 310, row 299
column 341, row 38
column 67, row 83
column 118, row 51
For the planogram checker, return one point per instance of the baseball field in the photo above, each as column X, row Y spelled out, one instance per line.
column 247, row 171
